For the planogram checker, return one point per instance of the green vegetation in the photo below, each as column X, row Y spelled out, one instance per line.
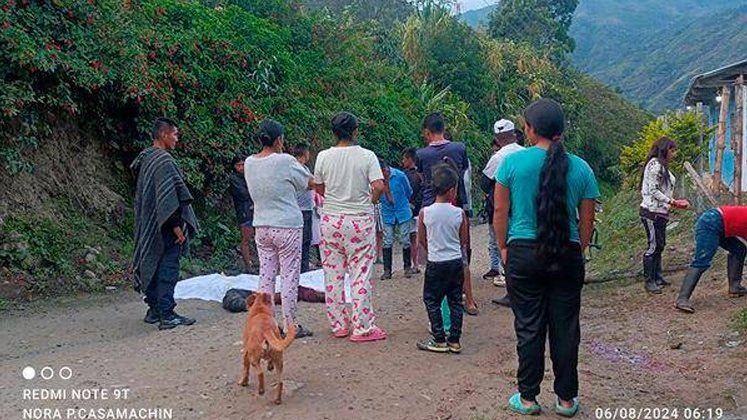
column 739, row 322
column 220, row 66
column 543, row 24
column 60, row 253
column 623, row 240
column 649, row 50
column 684, row 129
column 653, row 66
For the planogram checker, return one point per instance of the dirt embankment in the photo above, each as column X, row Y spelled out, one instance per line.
column 71, row 163
column 57, row 219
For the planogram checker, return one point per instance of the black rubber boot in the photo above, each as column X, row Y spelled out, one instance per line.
column 658, row 273
column 686, row 290
column 735, row 269
column 407, row 262
column 152, row 316
column 387, row 264
column 649, row 272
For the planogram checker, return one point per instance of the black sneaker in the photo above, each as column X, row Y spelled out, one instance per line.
column 152, row 316
column 174, row 321
column 491, row 274
column 504, row 301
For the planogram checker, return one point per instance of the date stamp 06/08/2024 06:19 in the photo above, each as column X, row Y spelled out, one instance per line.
column 658, row 413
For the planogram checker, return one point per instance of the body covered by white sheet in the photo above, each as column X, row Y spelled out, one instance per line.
column 214, row 286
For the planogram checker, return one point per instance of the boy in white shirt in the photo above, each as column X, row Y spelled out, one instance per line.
column 443, row 231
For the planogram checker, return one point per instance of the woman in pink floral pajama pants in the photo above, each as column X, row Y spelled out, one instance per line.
column 351, row 181
column 349, row 247
column 279, row 250
column 274, row 180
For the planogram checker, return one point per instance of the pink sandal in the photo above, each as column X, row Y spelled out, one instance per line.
column 341, row 333
column 375, row 334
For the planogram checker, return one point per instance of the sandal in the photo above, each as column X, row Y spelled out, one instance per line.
column 567, row 412
column 516, row 405
column 432, row 345
column 341, row 333
column 375, row 334
column 472, row 311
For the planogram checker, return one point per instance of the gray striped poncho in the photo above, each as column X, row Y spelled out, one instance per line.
column 160, row 192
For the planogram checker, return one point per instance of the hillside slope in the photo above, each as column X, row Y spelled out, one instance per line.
column 651, row 57
column 649, row 49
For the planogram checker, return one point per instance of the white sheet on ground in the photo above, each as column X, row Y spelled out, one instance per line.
column 214, row 286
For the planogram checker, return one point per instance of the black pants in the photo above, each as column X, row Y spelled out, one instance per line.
column 159, row 294
column 656, row 234
column 306, row 241
column 546, row 299
column 444, row 279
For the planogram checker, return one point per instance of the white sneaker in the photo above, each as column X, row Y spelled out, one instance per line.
column 499, row 281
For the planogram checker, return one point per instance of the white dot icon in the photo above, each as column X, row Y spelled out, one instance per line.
column 28, row 373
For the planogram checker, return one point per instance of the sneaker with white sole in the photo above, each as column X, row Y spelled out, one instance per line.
column 499, row 281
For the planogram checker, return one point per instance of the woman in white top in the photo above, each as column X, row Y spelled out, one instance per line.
column 274, row 179
column 657, row 187
column 351, row 181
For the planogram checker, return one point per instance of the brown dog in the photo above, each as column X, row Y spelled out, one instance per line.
column 262, row 340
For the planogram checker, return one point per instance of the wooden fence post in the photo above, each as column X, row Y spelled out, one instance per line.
column 737, row 137
column 721, row 139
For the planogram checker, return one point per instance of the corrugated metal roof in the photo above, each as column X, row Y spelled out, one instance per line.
column 704, row 87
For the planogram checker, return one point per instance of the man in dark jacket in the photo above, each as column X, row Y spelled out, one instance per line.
column 244, row 207
column 164, row 220
column 438, row 151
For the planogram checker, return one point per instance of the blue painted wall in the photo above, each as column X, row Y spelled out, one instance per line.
column 728, row 167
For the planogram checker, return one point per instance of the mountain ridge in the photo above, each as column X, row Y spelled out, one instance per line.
column 650, row 50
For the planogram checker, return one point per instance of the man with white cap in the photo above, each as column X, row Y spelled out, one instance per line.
column 505, row 142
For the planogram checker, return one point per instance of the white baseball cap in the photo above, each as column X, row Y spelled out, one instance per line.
column 503, row 126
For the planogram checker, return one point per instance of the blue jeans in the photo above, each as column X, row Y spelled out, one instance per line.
column 404, row 234
column 159, row 294
column 493, row 251
column 709, row 236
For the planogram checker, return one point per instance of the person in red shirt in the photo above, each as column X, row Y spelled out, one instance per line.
column 724, row 227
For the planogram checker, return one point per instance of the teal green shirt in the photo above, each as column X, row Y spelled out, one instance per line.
column 520, row 173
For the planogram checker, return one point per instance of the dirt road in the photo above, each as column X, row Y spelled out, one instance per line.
column 636, row 352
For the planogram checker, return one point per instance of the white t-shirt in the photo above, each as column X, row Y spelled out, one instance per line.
column 443, row 222
column 495, row 161
column 273, row 183
column 347, row 174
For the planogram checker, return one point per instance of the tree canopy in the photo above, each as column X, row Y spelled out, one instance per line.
column 544, row 24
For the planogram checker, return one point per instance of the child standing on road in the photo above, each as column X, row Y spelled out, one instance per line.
column 443, row 232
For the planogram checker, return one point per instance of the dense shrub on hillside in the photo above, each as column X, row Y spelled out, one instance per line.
column 216, row 70
column 685, row 129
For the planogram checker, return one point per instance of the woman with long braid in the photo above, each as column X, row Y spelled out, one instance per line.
column 543, row 188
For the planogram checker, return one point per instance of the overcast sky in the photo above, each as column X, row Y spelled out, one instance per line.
column 475, row 4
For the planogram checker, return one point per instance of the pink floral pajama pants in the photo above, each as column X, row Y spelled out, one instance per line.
column 279, row 251
column 349, row 246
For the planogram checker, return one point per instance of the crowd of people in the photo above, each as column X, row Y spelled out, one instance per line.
column 540, row 201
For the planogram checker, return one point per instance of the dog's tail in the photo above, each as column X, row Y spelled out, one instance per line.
column 281, row 345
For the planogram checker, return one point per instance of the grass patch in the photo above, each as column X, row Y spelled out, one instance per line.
column 623, row 239
column 51, row 250
column 739, row 322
